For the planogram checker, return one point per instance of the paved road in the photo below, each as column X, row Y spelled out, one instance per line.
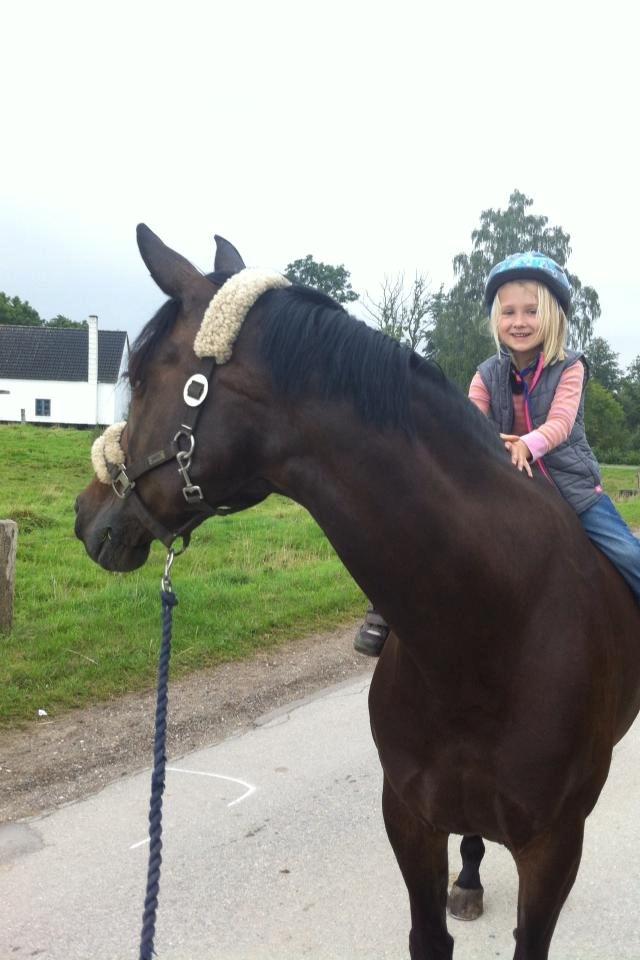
column 275, row 850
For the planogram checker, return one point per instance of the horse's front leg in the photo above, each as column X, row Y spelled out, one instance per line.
column 422, row 857
column 465, row 897
column 547, row 868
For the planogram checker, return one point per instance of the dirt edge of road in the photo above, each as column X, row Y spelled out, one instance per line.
column 56, row 761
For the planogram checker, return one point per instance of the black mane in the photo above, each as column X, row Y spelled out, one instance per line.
column 310, row 343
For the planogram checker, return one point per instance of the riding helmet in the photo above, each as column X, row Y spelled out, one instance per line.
column 529, row 266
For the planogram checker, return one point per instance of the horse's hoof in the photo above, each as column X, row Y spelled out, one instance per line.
column 465, row 904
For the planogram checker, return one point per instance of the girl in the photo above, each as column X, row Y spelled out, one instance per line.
column 533, row 390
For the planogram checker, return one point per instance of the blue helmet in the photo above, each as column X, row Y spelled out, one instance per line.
column 529, row 266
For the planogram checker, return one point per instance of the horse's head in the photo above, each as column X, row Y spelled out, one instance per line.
column 156, row 477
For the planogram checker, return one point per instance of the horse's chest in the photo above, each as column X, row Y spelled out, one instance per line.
column 440, row 786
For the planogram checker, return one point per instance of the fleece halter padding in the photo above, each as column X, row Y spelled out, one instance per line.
column 218, row 332
column 225, row 314
column 106, row 449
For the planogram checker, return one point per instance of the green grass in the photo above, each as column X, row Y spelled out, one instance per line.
column 616, row 478
column 81, row 634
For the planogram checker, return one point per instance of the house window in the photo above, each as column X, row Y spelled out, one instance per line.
column 43, row 408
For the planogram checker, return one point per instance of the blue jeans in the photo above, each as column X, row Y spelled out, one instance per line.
column 605, row 527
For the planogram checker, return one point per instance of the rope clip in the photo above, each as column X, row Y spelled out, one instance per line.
column 166, row 584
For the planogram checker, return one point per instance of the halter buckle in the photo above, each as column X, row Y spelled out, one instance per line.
column 121, row 484
column 192, row 493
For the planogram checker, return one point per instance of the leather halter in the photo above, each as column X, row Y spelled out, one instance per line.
column 180, row 449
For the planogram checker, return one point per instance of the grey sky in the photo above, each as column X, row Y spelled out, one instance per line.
column 367, row 134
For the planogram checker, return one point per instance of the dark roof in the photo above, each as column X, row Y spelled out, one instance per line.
column 57, row 353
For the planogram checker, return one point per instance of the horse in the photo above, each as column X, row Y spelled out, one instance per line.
column 512, row 667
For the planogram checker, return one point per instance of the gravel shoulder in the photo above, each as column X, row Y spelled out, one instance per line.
column 60, row 760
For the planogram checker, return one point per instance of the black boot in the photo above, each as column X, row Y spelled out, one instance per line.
column 372, row 634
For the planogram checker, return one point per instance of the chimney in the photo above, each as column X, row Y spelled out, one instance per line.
column 92, row 365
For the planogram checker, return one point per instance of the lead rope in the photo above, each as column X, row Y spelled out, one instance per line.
column 169, row 600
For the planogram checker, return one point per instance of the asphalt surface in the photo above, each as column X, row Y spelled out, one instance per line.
column 275, row 849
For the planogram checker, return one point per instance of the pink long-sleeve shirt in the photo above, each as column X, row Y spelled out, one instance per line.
column 562, row 412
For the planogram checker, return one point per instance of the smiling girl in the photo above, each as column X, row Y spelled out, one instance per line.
column 533, row 389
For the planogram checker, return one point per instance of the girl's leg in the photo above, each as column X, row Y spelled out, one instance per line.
column 605, row 527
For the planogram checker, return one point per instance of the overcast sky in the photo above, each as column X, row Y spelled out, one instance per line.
column 367, row 134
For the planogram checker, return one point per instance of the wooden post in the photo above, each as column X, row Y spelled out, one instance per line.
column 8, row 545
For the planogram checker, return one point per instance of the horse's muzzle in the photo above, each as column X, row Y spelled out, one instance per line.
column 115, row 543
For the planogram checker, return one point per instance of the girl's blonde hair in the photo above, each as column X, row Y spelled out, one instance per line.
column 553, row 322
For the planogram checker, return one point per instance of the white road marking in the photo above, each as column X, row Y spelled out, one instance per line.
column 250, row 788
column 204, row 773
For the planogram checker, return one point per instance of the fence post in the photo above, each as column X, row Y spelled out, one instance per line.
column 8, row 545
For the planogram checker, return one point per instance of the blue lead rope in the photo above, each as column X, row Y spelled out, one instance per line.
column 169, row 600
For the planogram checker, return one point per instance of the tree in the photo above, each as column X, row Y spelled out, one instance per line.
column 629, row 396
column 61, row 321
column 603, row 364
column 604, row 420
column 332, row 280
column 460, row 337
column 403, row 314
column 18, row 312
column 459, row 312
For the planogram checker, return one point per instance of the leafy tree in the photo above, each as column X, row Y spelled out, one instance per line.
column 458, row 334
column 460, row 337
column 18, row 312
column 604, row 420
column 61, row 321
column 401, row 313
column 633, row 371
column 332, row 280
column 603, row 364
column 629, row 397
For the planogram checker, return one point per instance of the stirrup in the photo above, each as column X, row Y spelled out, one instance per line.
column 371, row 636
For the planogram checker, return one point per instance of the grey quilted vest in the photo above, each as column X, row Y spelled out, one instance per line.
column 571, row 465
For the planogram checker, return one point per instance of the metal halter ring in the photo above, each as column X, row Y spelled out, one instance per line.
column 184, row 456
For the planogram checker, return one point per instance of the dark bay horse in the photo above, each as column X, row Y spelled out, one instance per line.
column 514, row 663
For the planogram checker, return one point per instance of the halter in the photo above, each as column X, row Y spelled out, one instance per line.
column 123, row 478
column 214, row 342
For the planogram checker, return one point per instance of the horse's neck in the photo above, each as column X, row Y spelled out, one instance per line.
column 397, row 512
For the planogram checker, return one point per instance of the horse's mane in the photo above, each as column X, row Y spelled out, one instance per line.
column 310, row 343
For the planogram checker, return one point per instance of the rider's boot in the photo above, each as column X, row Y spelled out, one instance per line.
column 372, row 634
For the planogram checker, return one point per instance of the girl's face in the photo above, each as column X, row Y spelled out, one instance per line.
column 518, row 323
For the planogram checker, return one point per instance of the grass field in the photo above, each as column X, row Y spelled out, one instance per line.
column 81, row 634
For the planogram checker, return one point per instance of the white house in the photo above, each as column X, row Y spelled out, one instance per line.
column 63, row 375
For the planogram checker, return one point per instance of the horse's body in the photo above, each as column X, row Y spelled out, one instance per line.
column 513, row 665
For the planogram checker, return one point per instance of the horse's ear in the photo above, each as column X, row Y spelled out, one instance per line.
column 174, row 275
column 227, row 257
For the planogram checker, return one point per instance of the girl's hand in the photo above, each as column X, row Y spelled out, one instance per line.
column 519, row 451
